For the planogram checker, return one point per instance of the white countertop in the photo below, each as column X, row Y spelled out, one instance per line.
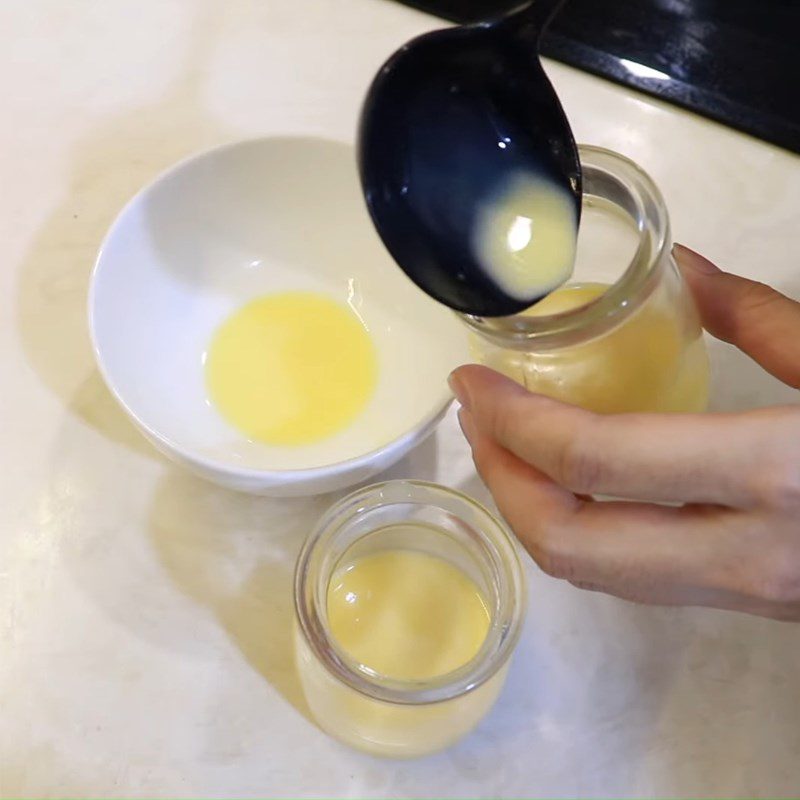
column 144, row 615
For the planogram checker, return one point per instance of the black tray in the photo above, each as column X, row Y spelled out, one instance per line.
column 734, row 61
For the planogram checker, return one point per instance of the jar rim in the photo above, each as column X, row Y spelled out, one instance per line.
column 639, row 196
column 504, row 629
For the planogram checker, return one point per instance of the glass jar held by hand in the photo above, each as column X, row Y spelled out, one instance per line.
column 623, row 335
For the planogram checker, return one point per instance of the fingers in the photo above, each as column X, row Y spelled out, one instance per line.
column 507, row 476
column 721, row 459
column 640, row 552
column 754, row 317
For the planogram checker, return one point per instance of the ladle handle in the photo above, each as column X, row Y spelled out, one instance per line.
column 529, row 21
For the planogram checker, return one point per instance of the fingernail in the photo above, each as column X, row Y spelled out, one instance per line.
column 467, row 424
column 459, row 390
column 694, row 261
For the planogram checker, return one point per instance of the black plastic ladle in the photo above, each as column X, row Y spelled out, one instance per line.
column 447, row 120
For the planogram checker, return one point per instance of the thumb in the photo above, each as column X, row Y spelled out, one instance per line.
column 752, row 316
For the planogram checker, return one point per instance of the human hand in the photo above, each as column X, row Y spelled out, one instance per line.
column 733, row 540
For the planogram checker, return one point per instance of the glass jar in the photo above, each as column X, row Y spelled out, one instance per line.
column 624, row 334
column 369, row 711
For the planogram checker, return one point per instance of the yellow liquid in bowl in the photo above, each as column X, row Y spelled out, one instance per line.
column 291, row 368
column 407, row 615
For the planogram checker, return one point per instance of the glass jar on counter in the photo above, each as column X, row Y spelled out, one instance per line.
column 624, row 334
column 349, row 700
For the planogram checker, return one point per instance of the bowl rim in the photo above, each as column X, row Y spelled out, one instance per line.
column 423, row 426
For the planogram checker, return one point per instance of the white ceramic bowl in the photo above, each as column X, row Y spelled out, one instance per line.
column 223, row 228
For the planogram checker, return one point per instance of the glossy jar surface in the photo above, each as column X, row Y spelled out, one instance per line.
column 623, row 334
column 383, row 715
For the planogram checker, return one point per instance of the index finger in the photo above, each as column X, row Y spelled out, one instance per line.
column 689, row 458
column 644, row 552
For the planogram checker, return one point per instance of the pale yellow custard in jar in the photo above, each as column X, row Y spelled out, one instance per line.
column 404, row 633
column 649, row 363
column 623, row 335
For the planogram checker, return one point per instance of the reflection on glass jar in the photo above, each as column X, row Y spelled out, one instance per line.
column 435, row 532
column 624, row 334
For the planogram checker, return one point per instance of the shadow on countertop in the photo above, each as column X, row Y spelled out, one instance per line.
column 107, row 167
column 235, row 554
